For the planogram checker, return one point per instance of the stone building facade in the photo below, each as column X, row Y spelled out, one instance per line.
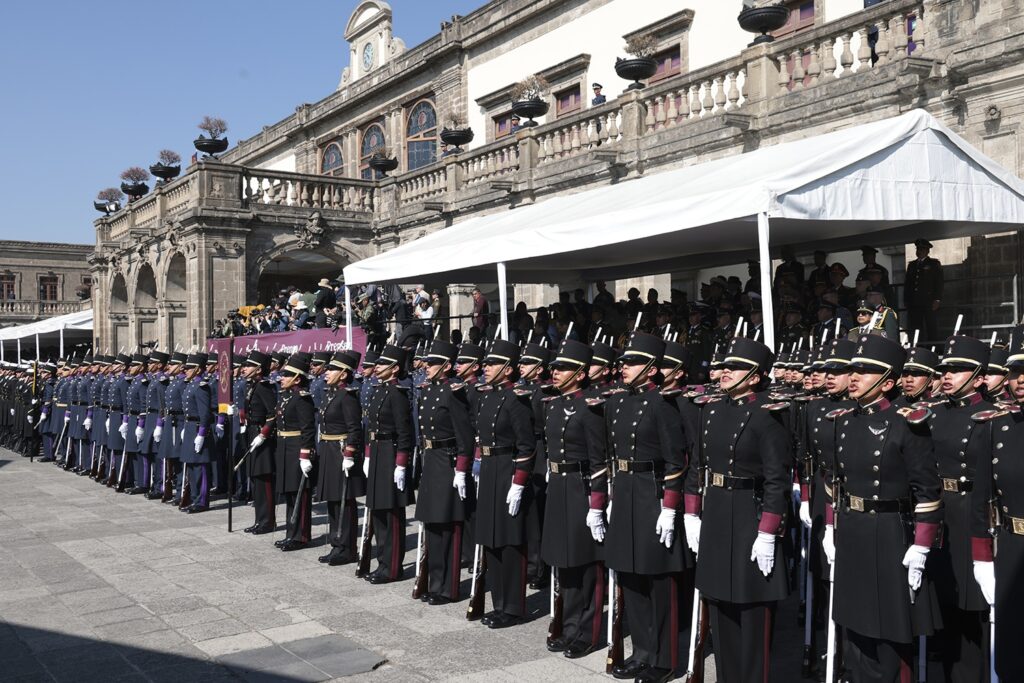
column 42, row 279
column 299, row 200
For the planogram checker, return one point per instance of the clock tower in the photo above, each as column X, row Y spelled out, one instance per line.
column 370, row 41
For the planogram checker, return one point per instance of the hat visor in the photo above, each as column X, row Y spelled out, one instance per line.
column 564, row 365
column 957, row 366
column 866, row 367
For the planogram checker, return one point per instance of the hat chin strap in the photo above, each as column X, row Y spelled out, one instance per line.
column 974, row 376
column 497, row 375
column 575, row 373
column 747, row 376
column 877, row 384
column 641, row 374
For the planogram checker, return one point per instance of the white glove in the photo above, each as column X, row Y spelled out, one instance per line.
column 514, row 498
column 985, row 575
column 459, row 484
column 199, row 443
column 805, row 513
column 139, row 431
column 158, row 433
column 763, row 552
column 400, row 477
column 691, row 524
column 87, row 422
column 123, row 430
column 29, row 418
column 257, row 441
column 232, row 409
column 42, row 418
column 219, row 430
column 106, row 425
column 666, row 526
column 67, row 415
column 347, row 463
column 241, row 428
column 914, row 562
column 366, row 467
column 796, row 493
column 181, row 437
column 306, row 466
column 595, row 520
column 828, row 543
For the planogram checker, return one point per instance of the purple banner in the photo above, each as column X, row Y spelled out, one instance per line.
column 300, row 340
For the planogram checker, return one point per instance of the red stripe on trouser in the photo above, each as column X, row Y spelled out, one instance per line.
column 905, row 671
column 595, row 624
column 456, row 559
column 673, row 621
column 767, row 642
column 394, row 544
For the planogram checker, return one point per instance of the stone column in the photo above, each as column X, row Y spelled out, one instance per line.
column 460, row 302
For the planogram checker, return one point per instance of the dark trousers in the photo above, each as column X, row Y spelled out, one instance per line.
column 143, row 467
column 342, row 531
column 47, row 446
column 652, row 614
column 869, row 660
column 302, row 528
column 389, row 533
column 582, row 590
column 506, row 578
column 263, row 500
column 963, row 645
column 241, row 476
column 444, row 558
column 924, row 319
column 743, row 640
column 536, row 570
column 199, row 482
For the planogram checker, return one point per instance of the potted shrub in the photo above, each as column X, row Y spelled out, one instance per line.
column 528, row 99
column 83, row 292
column 168, row 167
column 382, row 160
column 109, row 200
column 455, row 132
column 640, row 64
column 763, row 20
column 213, row 145
column 134, row 182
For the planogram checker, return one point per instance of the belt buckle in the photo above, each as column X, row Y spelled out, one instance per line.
column 554, row 467
column 857, row 503
column 950, row 485
column 623, row 466
column 717, row 479
column 1018, row 525
column 485, row 450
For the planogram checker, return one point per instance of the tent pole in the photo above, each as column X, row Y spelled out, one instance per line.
column 502, row 304
column 61, row 342
column 19, row 350
column 348, row 316
column 37, row 348
column 767, row 307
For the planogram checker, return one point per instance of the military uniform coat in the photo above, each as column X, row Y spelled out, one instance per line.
column 816, row 471
column 295, row 413
column 260, row 415
column 340, row 413
column 389, row 416
column 155, row 389
column 444, row 426
column 117, row 394
column 195, row 402
column 173, row 418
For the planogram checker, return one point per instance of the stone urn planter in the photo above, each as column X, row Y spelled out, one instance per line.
column 383, row 165
column 763, row 20
column 636, row 69
column 210, row 146
column 165, row 172
column 455, row 138
column 134, row 190
column 530, row 109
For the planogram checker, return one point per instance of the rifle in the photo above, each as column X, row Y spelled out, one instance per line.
column 294, row 519
column 476, row 587
column 168, row 485
column 185, row 500
column 807, row 663
column 556, row 609
column 615, row 611
column 698, row 639
column 67, row 451
column 363, row 566
column 120, row 472
column 420, row 585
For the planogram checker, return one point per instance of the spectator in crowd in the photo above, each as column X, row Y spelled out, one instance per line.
column 325, row 296
column 481, row 309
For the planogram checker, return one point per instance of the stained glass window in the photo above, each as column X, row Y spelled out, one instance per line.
column 421, row 135
column 332, row 161
column 373, row 138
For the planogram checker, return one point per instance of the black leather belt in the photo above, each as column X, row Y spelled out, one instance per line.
column 191, row 419
column 380, row 436
column 174, row 413
column 871, row 506
column 636, row 466
column 1015, row 525
column 957, row 485
column 134, row 413
column 726, row 481
column 79, row 403
column 428, row 444
column 490, row 451
column 565, row 467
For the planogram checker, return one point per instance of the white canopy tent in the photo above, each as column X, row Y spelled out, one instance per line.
column 891, row 180
column 77, row 325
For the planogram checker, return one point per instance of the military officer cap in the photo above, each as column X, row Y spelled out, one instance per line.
column 344, row 360
column 1015, row 359
column 864, row 307
column 370, row 359
column 839, row 356
column 61, row 362
column 997, row 361
column 158, row 357
column 964, row 353
column 878, row 355
column 48, row 366
column 782, row 360
column 122, row 359
column 573, row 355
column 471, row 353
column 676, row 356
column 502, row 351
column 643, row 348
column 280, row 357
column 196, row 360
column 747, row 354
column 178, row 357
column 798, row 359
column 792, row 308
column 421, row 351
column 212, row 359
column 818, row 359
column 603, row 354
column 297, row 364
column 535, row 353
column 922, row 243
column 868, row 249
column 921, row 361
column 237, row 360
column 831, row 307
column 392, row 355
column 258, row 359
column 320, row 357
column 596, row 85
column 87, row 359
column 441, row 352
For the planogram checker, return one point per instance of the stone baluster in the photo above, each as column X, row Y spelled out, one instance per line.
column 693, row 101
column 814, row 66
column 828, row 60
column 556, row 146
column 864, row 51
column 882, row 44
column 672, row 111
column 718, row 85
column 899, row 30
column 602, row 131
column 919, row 30
column 649, row 120
column 783, row 75
column 613, row 126
column 846, row 58
column 491, row 164
column 575, row 139
column 707, row 102
column 292, row 196
column 798, row 69
column 659, row 112
column 734, row 91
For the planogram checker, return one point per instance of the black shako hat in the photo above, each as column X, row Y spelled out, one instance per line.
column 676, row 356
column 259, row 359
column 471, row 353
column 643, row 348
column 370, row 357
column 344, row 360
column 921, row 359
column 178, row 357
column 280, row 357
column 964, row 353
column 297, row 364
column 839, row 355
column 572, row 355
column 196, row 360
column 1016, row 348
column 441, row 352
column 997, row 361
column 502, row 351
column 392, row 355
column 158, row 357
column 237, row 360
column 320, row 357
column 535, row 353
column 878, row 355
column 139, row 359
column 603, row 354
column 749, row 353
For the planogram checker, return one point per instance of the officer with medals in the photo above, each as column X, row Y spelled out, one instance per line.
column 575, row 525
column 295, row 452
column 997, row 520
column 649, row 446
column 446, row 445
column 887, row 493
column 195, row 445
column 258, row 418
column 340, row 451
column 747, row 466
column 389, row 446
column 505, row 431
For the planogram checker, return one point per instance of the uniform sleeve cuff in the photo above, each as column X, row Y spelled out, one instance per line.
column 770, row 523
column 521, row 477
column 925, row 533
column 202, row 430
column 304, row 454
column 463, row 463
column 981, row 550
column 830, row 515
column 88, row 413
column 401, row 459
column 241, row 415
column 805, row 492
column 220, row 419
column 141, row 422
column 124, row 419
column 598, row 500
column 476, row 453
column 265, row 431
column 160, row 422
column 692, row 504
column 671, row 499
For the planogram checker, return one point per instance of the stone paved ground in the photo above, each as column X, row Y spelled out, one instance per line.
column 101, row 586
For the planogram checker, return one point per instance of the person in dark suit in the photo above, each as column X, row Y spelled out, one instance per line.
column 598, row 97
column 923, row 291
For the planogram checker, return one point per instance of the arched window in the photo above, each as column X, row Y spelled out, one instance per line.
column 373, row 138
column 332, row 162
column 421, row 135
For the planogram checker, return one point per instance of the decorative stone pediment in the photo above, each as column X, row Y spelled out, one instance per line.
column 311, row 234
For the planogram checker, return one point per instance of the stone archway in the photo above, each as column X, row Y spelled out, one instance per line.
column 175, row 303
column 119, row 333
column 145, row 305
column 289, row 264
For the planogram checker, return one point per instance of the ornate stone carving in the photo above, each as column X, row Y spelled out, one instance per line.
column 312, row 232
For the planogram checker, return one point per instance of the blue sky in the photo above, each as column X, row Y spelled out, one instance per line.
column 88, row 89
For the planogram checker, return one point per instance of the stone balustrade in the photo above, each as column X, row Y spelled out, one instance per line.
column 37, row 309
column 278, row 188
column 694, row 96
column 579, row 133
column 423, row 185
column 490, row 162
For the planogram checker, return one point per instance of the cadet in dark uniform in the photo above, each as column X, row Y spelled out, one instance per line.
column 642, row 544
column 998, row 511
column 468, row 364
column 446, row 445
column 531, row 385
column 887, row 493
column 389, row 446
column 295, row 455
column 117, row 417
column 996, row 374
column 601, row 373
column 258, row 418
column 747, row 466
column 507, row 442
column 340, row 451
column 168, row 432
column 575, row 525
column 196, row 445
column 923, row 291
column 154, row 388
column 239, row 390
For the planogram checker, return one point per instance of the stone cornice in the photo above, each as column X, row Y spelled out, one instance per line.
column 675, row 23
column 559, row 72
